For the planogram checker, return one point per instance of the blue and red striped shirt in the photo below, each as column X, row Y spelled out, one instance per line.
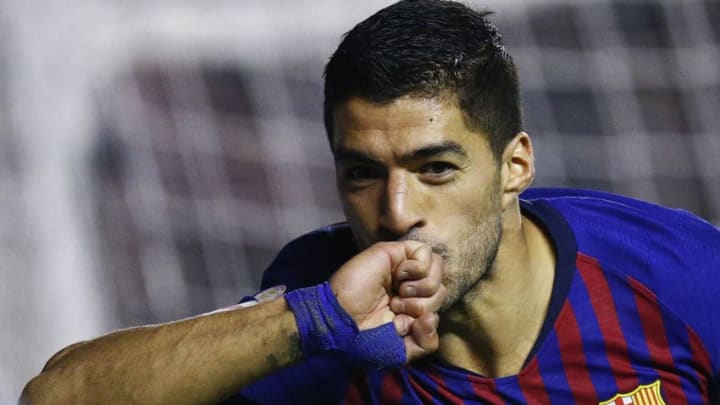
column 634, row 316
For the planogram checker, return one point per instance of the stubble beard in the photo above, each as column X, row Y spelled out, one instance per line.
column 473, row 260
column 465, row 266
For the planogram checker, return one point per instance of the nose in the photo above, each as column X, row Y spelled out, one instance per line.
column 400, row 211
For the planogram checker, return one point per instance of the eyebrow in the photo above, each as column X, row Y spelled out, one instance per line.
column 436, row 149
column 427, row 151
column 344, row 154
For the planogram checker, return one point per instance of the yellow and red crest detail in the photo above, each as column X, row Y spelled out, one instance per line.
column 643, row 395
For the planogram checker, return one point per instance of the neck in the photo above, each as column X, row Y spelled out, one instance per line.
column 493, row 328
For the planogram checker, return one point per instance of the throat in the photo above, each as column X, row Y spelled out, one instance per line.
column 490, row 347
column 494, row 328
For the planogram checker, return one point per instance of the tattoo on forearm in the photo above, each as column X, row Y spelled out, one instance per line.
column 295, row 352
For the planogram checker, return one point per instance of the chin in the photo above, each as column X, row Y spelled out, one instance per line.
column 456, row 291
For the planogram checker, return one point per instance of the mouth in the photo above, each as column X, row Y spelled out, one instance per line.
column 437, row 247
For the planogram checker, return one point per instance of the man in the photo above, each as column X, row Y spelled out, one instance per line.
column 561, row 296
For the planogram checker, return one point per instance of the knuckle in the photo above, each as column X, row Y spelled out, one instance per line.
column 410, row 290
column 420, row 306
column 425, row 253
column 411, row 307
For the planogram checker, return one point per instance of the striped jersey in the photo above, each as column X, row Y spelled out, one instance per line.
column 634, row 316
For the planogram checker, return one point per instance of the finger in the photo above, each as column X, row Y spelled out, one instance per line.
column 399, row 251
column 422, row 254
column 423, row 287
column 412, row 306
column 407, row 270
column 427, row 267
column 423, row 338
column 424, row 331
column 410, row 269
column 415, row 268
column 402, row 324
column 418, row 306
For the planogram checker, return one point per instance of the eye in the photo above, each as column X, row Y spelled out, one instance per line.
column 360, row 173
column 438, row 169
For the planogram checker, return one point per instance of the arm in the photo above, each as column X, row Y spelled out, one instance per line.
column 207, row 358
column 198, row 360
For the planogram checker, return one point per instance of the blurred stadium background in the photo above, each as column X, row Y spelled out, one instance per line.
column 154, row 155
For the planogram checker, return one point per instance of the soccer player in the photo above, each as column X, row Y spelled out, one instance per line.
column 451, row 282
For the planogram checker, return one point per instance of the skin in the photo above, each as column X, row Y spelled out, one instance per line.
column 411, row 169
column 204, row 359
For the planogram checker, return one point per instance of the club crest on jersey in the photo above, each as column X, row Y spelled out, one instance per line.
column 643, row 395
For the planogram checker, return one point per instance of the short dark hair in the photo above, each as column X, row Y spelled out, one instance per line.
column 429, row 48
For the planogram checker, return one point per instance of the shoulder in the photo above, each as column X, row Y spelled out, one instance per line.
column 671, row 252
column 311, row 258
column 630, row 233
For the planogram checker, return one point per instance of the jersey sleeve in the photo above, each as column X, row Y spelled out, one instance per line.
column 320, row 380
column 311, row 259
column 305, row 261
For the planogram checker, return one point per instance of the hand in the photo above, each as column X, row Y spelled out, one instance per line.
column 420, row 295
column 364, row 288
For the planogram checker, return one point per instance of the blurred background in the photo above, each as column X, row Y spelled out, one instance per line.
column 155, row 155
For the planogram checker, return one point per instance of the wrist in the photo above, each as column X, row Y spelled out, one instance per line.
column 324, row 327
column 323, row 324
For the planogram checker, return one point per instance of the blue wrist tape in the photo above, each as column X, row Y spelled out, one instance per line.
column 324, row 326
column 378, row 347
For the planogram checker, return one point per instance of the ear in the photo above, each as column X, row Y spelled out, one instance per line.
column 518, row 167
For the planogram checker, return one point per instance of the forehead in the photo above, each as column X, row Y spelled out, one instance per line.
column 400, row 125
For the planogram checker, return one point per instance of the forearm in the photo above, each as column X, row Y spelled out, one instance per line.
column 193, row 361
column 205, row 359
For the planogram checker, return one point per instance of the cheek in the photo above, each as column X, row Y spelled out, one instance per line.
column 356, row 204
column 360, row 212
column 464, row 202
column 466, row 209
column 481, row 193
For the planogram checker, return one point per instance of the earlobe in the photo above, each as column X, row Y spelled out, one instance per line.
column 518, row 164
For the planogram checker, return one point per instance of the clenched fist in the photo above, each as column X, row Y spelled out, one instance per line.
column 399, row 282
